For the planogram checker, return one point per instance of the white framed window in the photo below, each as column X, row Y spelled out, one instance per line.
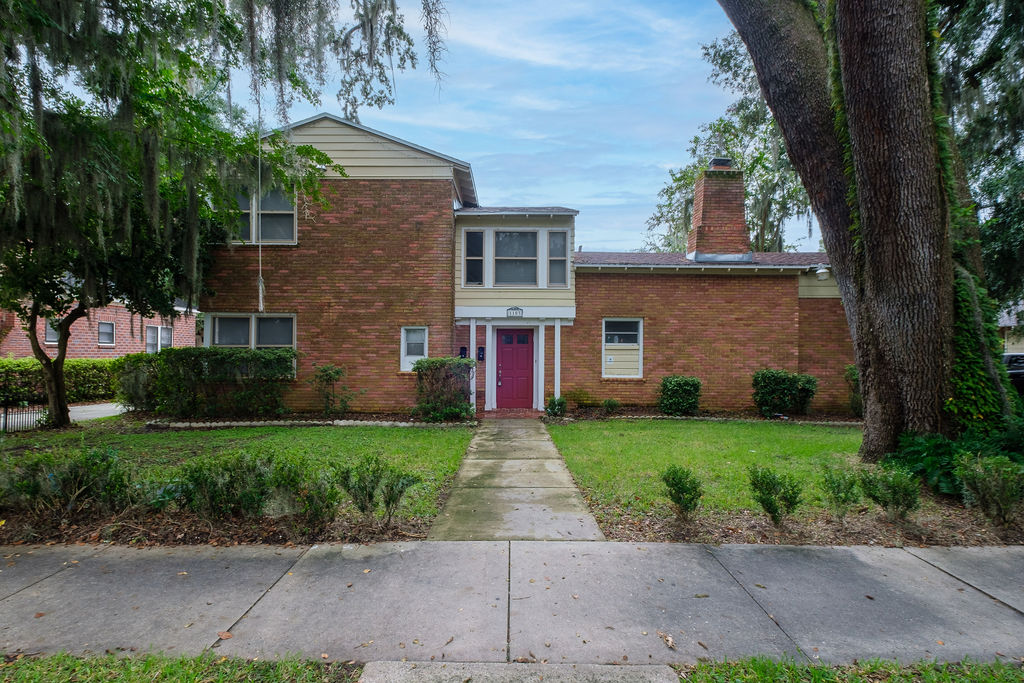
column 558, row 258
column 622, row 347
column 50, row 333
column 515, row 258
column 105, row 333
column 473, row 268
column 253, row 331
column 159, row 337
column 414, row 346
column 274, row 223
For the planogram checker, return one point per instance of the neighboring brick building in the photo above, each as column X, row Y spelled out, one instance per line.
column 108, row 332
column 391, row 272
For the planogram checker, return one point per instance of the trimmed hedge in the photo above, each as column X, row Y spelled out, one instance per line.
column 87, row 379
column 207, row 382
column 779, row 391
column 442, row 388
column 680, row 395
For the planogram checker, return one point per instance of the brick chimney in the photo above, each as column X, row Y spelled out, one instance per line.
column 719, row 231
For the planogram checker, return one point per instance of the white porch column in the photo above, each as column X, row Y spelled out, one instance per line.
column 472, row 354
column 558, row 357
column 538, row 401
column 489, row 383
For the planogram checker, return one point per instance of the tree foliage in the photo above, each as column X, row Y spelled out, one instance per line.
column 121, row 156
column 748, row 134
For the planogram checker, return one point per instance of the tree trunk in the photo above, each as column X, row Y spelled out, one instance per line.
column 894, row 267
column 53, row 369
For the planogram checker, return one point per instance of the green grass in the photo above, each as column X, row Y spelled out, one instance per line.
column 762, row 669
column 432, row 453
column 65, row 667
column 620, row 462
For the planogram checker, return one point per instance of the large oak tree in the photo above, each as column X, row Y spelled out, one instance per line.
column 854, row 87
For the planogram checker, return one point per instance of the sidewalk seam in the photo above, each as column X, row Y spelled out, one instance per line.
column 50, row 576
column 963, row 581
column 237, row 621
column 508, row 607
column 757, row 602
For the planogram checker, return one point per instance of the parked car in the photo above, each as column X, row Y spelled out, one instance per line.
column 1015, row 368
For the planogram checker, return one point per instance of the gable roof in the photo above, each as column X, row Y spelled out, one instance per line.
column 462, row 172
column 654, row 260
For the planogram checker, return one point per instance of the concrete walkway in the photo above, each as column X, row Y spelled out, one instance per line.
column 513, row 485
column 571, row 603
column 92, row 411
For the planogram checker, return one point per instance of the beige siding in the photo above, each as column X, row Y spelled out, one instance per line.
column 813, row 288
column 364, row 155
column 513, row 296
column 621, row 360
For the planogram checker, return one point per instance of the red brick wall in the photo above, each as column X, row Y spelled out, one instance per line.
column 380, row 257
column 129, row 334
column 719, row 219
column 720, row 328
column 825, row 351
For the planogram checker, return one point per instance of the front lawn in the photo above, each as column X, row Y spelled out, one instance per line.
column 432, row 454
column 620, row 462
column 618, row 465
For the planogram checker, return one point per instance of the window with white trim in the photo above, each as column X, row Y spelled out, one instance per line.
column 105, row 333
column 414, row 346
column 473, row 273
column 558, row 258
column 274, row 223
column 50, row 333
column 515, row 258
column 159, row 337
column 622, row 347
column 255, row 331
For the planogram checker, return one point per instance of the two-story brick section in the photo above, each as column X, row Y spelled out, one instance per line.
column 405, row 264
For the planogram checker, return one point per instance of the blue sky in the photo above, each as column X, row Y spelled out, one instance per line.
column 585, row 104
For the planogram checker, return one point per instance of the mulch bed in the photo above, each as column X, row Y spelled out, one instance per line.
column 943, row 523
column 183, row 528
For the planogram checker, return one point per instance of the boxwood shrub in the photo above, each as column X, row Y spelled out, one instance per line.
column 442, row 388
column 207, row 381
column 680, row 395
column 87, row 379
column 779, row 391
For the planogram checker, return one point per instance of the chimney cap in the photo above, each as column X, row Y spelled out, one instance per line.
column 720, row 162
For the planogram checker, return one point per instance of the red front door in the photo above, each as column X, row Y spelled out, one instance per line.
column 515, row 369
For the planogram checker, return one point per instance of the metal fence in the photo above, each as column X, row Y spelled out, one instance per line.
column 20, row 418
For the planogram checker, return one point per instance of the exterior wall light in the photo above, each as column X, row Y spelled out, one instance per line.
column 822, row 271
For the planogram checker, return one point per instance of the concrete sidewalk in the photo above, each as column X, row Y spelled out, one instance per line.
column 519, row 601
column 513, row 485
column 91, row 411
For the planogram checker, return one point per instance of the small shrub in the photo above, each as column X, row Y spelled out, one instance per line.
column 442, row 388
column 852, row 378
column 373, row 482
column 894, row 488
column 611, row 406
column 684, row 489
column 313, row 490
column 555, row 407
column 61, row 482
column 679, row 395
column 225, row 485
column 841, row 492
column 777, row 494
column 931, row 458
column 325, row 380
column 995, row 485
column 779, row 391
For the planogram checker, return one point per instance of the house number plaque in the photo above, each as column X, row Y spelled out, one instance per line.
column 514, row 312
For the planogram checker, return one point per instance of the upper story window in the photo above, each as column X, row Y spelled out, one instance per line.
column 515, row 258
column 274, row 223
column 474, row 275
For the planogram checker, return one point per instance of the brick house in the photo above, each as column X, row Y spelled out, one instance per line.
column 405, row 264
column 108, row 332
